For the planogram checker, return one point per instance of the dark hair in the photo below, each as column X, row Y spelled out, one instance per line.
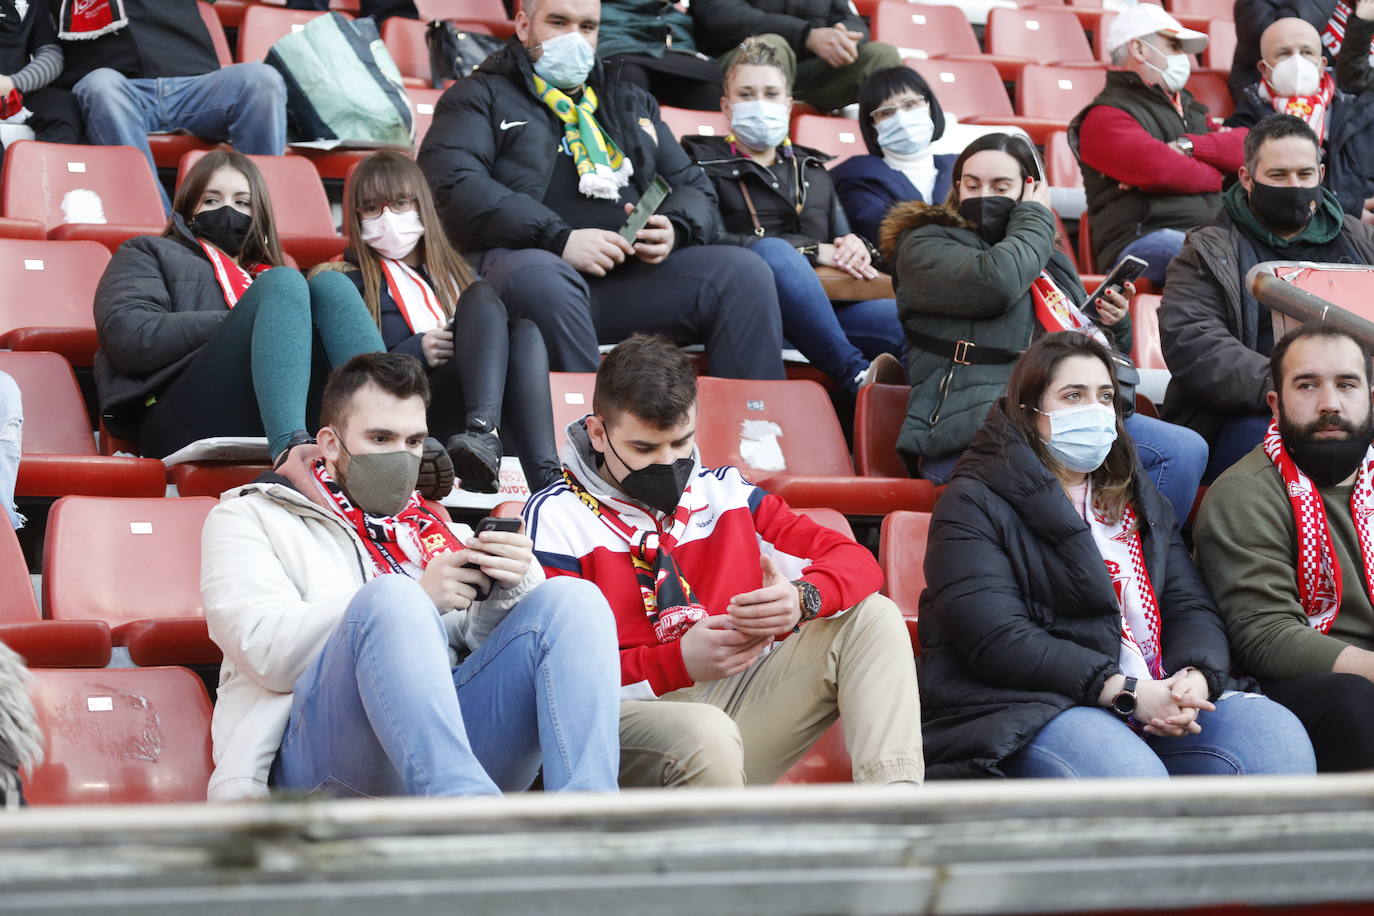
column 261, row 246
column 1302, row 332
column 882, row 85
column 649, row 377
column 756, row 53
column 1276, row 127
column 1014, row 145
column 1113, row 482
column 398, row 374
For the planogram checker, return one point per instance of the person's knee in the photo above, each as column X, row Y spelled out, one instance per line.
column 394, row 600
column 100, row 85
column 708, row 750
column 536, row 283
column 877, row 55
column 779, row 254
column 261, row 85
column 327, row 287
column 1349, row 698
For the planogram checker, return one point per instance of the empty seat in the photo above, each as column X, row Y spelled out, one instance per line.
column 422, row 102
column 43, row 643
column 263, row 25
column 1048, row 98
column 491, row 13
column 120, row 736
column 879, row 413
column 1040, row 34
column 211, row 478
column 93, row 548
column 405, row 42
column 1061, row 166
column 572, row 400
column 901, row 554
column 840, row 137
column 46, row 299
column 1221, row 45
column 924, row 31
column 1212, row 91
column 684, row 122
column 1147, row 349
column 966, row 89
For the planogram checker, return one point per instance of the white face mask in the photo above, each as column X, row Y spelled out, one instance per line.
column 1081, row 437
column 393, row 235
column 1177, row 68
column 1295, row 75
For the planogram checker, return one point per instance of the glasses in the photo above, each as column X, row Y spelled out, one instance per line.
column 373, row 209
column 910, row 103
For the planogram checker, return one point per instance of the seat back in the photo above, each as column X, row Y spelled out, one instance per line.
column 572, row 399
column 1147, row 350
column 422, row 102
column 1039, row 34
column 901, row 554
column 1057, row 92
column 921, row 32
column 1212, row 91
column 1061, row 166
column 770, row 427
column 461, row 9
column 300, row 206
column 1212, row 9
column 216, row 30
column 1101, row 53
column 684, row 122
column 828, row 518
column 120, row 736
column 55, row 419
column 120, row 560
column 405, row 42
column 20, row 605
column 58, row 183
column 966, row 89
column 840, row 137
column 264, row 24
column 1221, row 44
column 49, row 284
column 878, row 416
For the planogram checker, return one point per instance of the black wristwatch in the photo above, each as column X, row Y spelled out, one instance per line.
column 810, row 600
column 1123, row 704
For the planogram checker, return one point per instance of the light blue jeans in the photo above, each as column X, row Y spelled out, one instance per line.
column 11, row 445
column 1247, row 734
column 1173, row 457
column 380, row 712
column 244, row 104
column 1156, row 249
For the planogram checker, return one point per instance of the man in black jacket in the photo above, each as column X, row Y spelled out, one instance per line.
column 1217, row 338
column 823, row 44
column 534, row 167
column 1252, row 17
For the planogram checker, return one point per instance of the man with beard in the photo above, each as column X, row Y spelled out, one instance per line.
column 1285, row 539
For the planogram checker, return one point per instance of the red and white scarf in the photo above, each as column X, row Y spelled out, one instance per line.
column 1319, row 570
column 1333, row 36
column 83, row 20
column 1056, row 311
column 413, row 295
column 233, row 279
column 1142, row 654
column 403, row 543
column 1311, row 108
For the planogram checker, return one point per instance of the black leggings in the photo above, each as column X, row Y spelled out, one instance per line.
column 1336, row 711
column 677, row 79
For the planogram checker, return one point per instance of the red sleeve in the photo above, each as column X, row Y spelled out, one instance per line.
column 843, row 571
column 1222, row 149
column 1115, row 144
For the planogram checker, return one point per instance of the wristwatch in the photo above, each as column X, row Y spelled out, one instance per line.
column 1123, row 704
column 810, row 599
column 1185, row 144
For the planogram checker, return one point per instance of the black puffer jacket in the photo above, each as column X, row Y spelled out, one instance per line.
column 722, row 24
column 493, row 146
column 1019, row 620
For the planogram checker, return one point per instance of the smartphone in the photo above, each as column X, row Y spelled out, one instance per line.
column 648, row 205
column 492, row 523
column 1127, row 269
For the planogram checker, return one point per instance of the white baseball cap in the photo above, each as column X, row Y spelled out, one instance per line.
column 1141, row 19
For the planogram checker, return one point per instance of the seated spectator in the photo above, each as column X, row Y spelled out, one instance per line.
column 1152, row 166
column 745, row 629
column 1065, row 632
column 488, row 376
column 1283, row 540
column 21, row 737
column 30, row 59
column 653, row 44
column 777, row 200
column 823, row 44
column 444, row 666
column 11, row 445
column 1295, row 81
column 535, row 161
column 1217, row 339
column 899, row 117
column 977, row 280
column 1329, row 17
column 142, row 66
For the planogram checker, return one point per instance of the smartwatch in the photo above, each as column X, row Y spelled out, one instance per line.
column 1186, row 145
column 1123, row 704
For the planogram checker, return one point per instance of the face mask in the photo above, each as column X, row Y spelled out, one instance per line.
column 759, row 125
column 1177, row 69
column 1081, row 437
column 393, row 235
column 1295, row 75
column 1284, row 209
column 989, row 216
column 379, row 484
column 906, row 133
column 224, row 227
column 1327, row 461
column 659, row 486
column 566, row 60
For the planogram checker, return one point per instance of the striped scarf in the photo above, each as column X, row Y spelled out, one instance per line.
column 1333, row 36
column 1311, row 108
column 84, row 20
column 602, row 168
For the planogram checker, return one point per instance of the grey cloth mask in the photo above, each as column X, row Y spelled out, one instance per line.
column 379, row 483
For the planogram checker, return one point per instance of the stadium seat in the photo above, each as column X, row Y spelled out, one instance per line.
column 120, row 736
column 1147, row 349
column 1212, row 90
column 422, row 102
column 230, row 12
column 93, row 548
column 684, row 122
column 784, row 436
column 103, row 193
column 1087, row 258
column 828, row 518
column 46, row 300
column 1061, row 166
column 305, row 224
column 405, row 42
column 216, row 29
column 43, row 643
column 923, row 31
column 879, row 413
column 59, row 455
column 1039, row 35
column 826, row 762
column 1100, row 50
column 1195, row 14
column 1221, row 45
column 211, row 478
column 839, row 137
column 1045, row 95
column 572, row 400
column 968, row 90
column 263, row 25
column 490, row 13
column 901, row 554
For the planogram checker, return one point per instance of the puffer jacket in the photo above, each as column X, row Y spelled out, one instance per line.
column 278, row 569
column 1020, row 621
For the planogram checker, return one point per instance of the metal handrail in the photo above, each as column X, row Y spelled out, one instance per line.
column 1271, row 291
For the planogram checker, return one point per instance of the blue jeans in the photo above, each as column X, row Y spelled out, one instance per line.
column 838, row 340
column 11, row 445
column 1173, row 456
column 1157, row 249
column 380, row 712
column 244, row 104
column 1247, row 735
column 1237, row 437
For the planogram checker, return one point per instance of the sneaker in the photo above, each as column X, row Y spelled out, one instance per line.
column 436, row 471
column 886, row 369
column 477, row 460
column 299, row 437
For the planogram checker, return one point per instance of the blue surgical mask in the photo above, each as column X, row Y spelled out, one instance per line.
column 759, row 124
column 1081, row 437
column 566, row 60
column 906, row 133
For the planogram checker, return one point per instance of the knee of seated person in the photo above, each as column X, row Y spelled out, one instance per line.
column 261, row 83
column 567, row 602
column 327, row 283
column 775, row 250
column 280, row 282
column 100, row 82
column 708, row 751
column 395, row 600
column 877, row 55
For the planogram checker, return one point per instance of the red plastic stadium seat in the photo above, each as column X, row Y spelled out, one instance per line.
column 967, row 89
column 1221, row 44
column 263, row 25
column 305, row 224
column 1147, row 350
column 572, row 399
column 684, row 122
column 120, row 736
column 422, row 103
column 213, row 25
column 878, row 415
column 1051, row 94
column 1037, row 35
column 839, row 137
column 59, row 456
column 922, row 32
column 109, row 183
column 1061, row 166
column 92, row 547
column 1211, row 90
column 795, row 447
column 405, row 42
column 901, row 554
column 1087, row 259
column 211, row 478
column 491, row 13
column 43, row 643
column 826, row 762
column 45, row 302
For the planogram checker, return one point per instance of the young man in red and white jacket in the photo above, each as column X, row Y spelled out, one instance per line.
column 745, row 629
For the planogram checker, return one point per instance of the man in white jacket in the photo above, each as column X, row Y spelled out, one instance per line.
column 371, row 648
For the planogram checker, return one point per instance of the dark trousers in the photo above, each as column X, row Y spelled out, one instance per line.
column 718, row 295
column 678, row 79
column 1338, row 712
column 56, row 116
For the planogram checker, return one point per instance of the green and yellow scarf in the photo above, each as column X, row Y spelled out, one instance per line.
column 602, row 168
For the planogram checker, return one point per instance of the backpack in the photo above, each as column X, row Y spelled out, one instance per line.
column 341, row 84
column 453, row 54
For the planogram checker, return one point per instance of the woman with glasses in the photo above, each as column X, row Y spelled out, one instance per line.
column 899, row 117
column 777, row 199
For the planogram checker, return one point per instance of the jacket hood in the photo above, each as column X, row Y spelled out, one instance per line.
column 581, row 460
column 905, row 217
column 292, row 483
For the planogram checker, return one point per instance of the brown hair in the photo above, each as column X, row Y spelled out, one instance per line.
column 1309, row 330
column 389, row 175
column 398, row 374
column 261, row 246
column 756, row 53
column 649, row 377
column 1113, row 483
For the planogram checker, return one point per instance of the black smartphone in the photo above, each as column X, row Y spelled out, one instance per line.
column 492, row 523
column 648, row 205
column 1127, row 269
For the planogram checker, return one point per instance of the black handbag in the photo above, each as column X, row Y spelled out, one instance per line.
column 1127, row 378
column 453, row 53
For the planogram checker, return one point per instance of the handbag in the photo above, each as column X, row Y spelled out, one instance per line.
column 453, row 53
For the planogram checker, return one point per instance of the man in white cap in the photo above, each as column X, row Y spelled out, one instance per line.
column 1152, row 165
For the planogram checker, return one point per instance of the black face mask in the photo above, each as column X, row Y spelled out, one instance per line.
column 1284, row 209
column 224, row 227
column 989, row 216
column 659, row 486
column 1327, row 461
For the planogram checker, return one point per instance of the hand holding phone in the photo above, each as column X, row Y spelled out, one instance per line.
column 648, row 205
column 503, row 553
column 1126, row 270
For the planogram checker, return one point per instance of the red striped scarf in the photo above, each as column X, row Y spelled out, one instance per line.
column 233, row 279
